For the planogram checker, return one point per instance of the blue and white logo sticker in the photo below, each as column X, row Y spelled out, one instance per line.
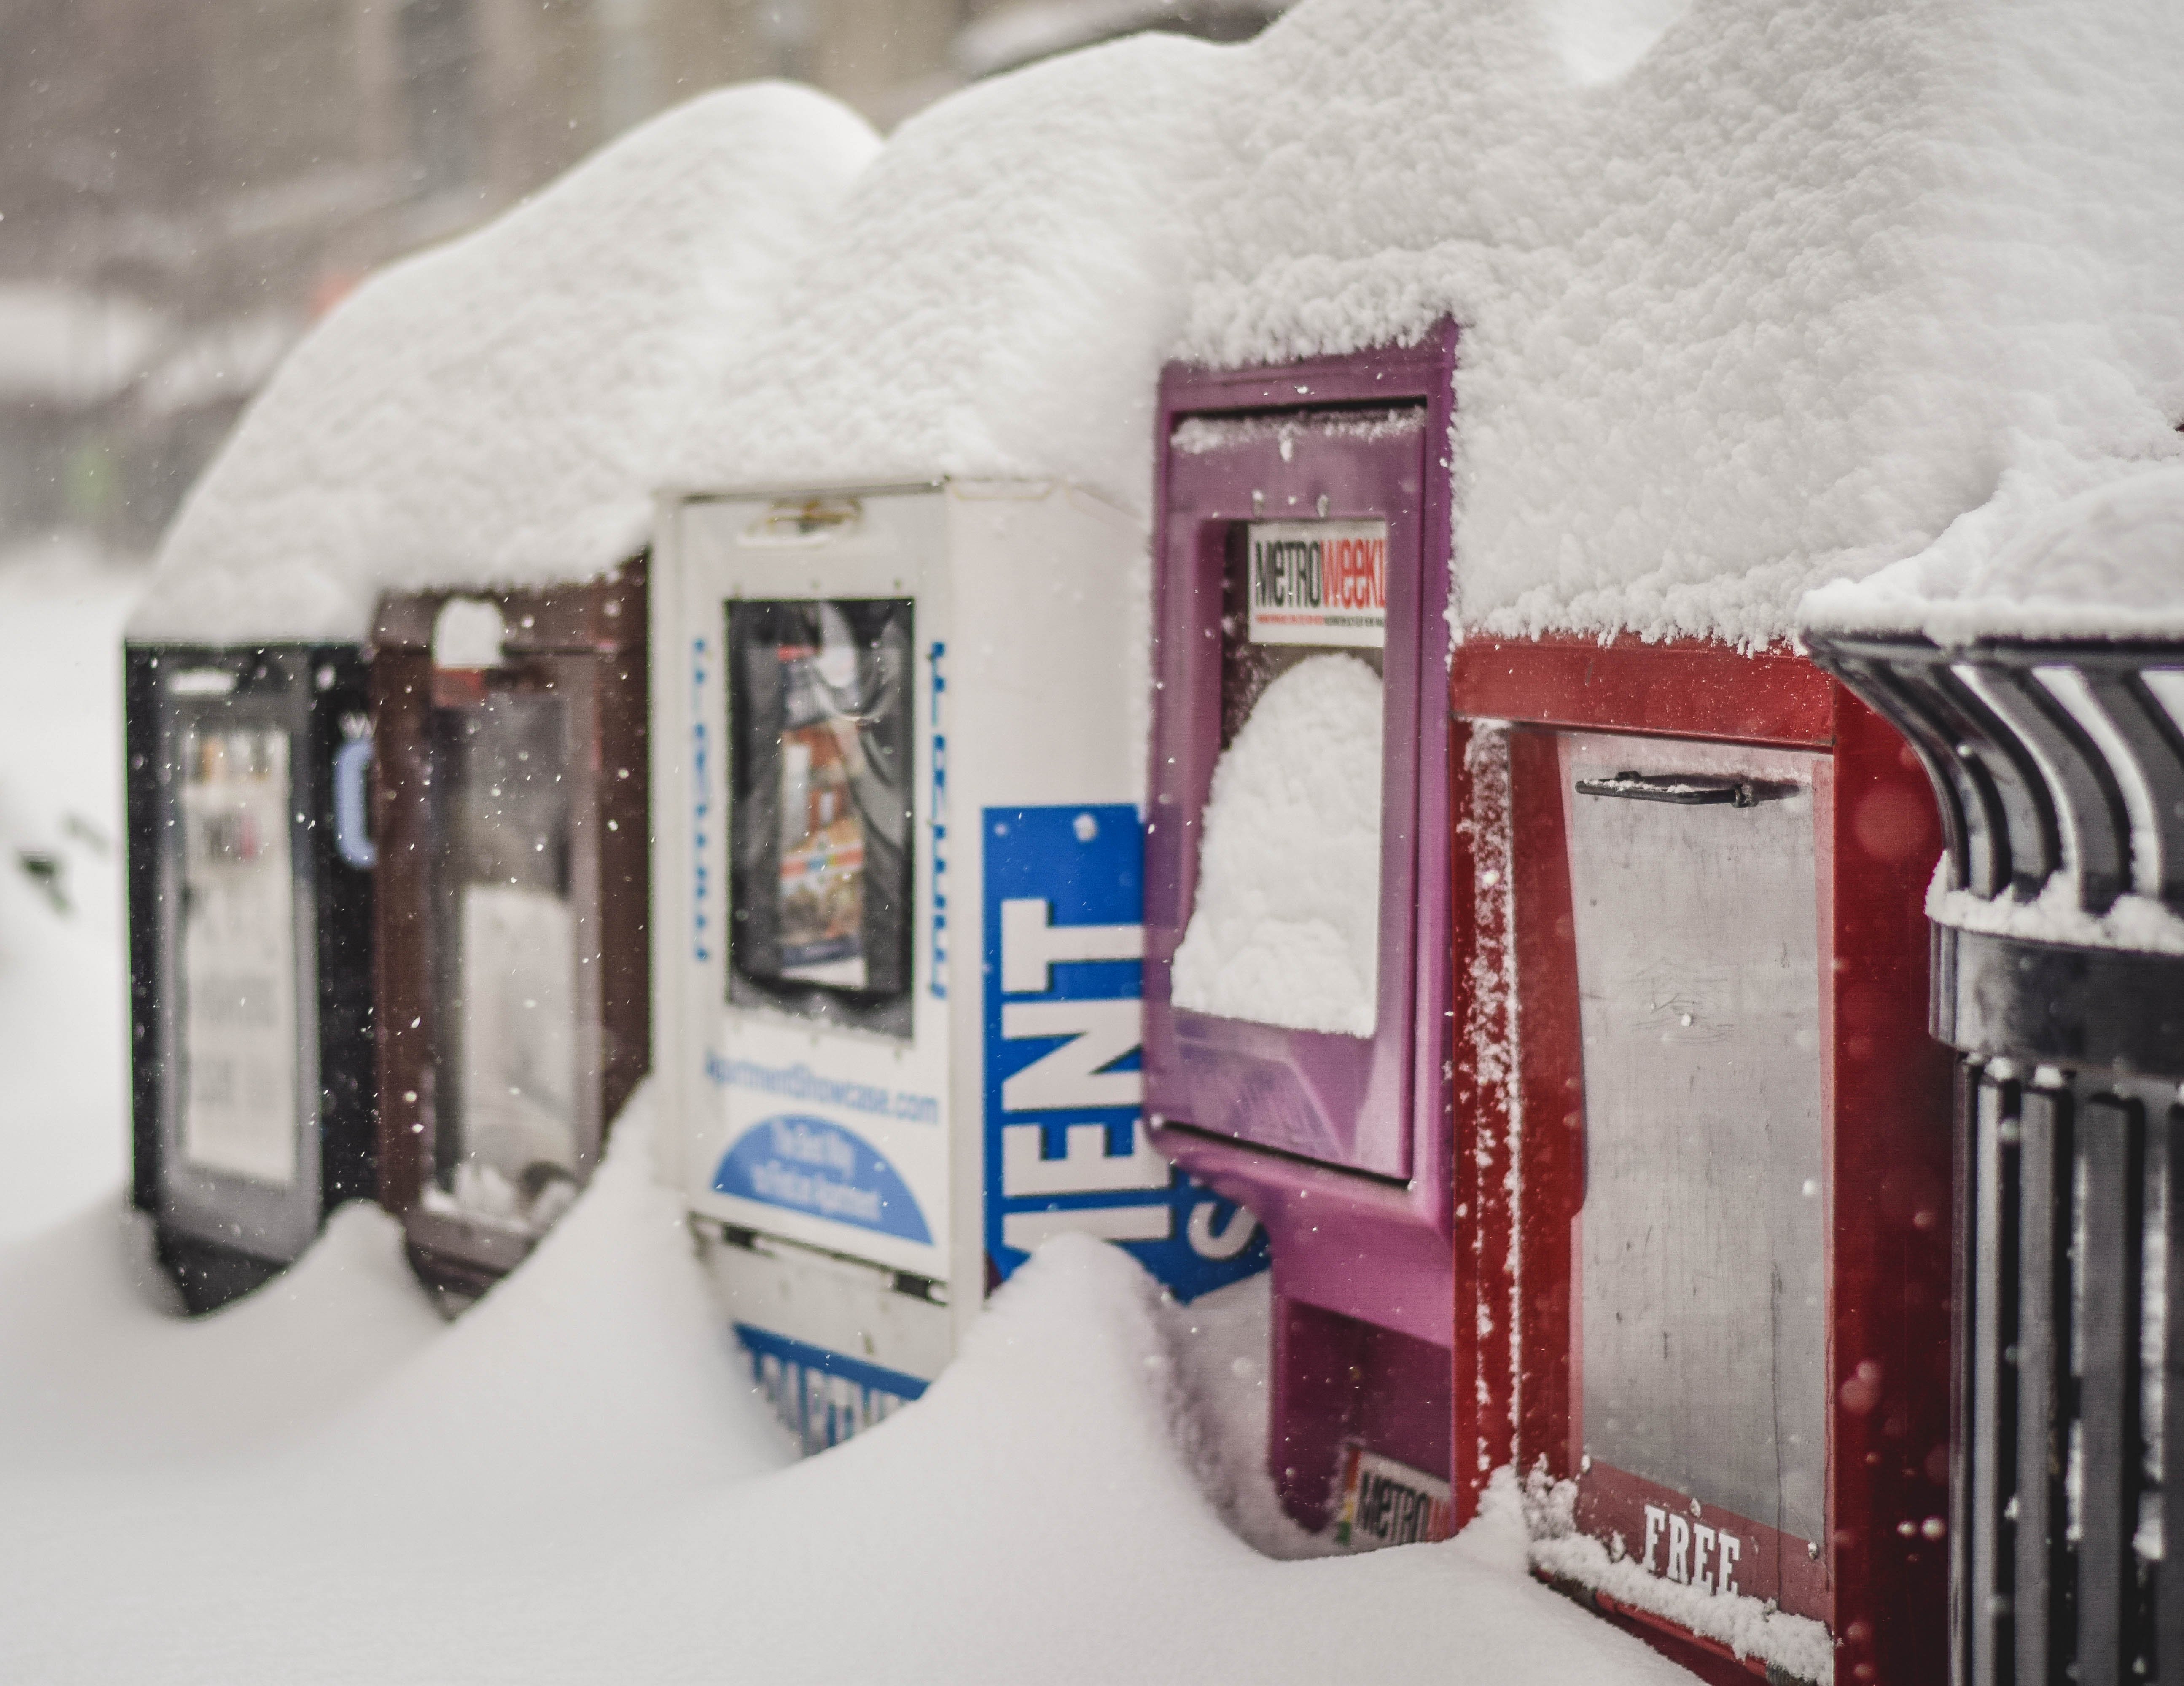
column 811, row 1165
column 1066, row 1141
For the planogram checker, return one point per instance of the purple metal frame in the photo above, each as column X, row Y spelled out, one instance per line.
column 1341, row 1146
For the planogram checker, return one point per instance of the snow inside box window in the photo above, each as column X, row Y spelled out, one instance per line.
column 820, row 884
column 507, row 1130
column 238, row 955
column 1285, row 927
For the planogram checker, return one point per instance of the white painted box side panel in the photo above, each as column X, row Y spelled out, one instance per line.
column 1045, row 711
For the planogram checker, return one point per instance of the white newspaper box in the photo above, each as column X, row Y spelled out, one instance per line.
column 897, row 753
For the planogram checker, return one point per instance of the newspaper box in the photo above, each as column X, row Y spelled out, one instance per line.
column 2060, row 772
column 1297, row 905
column 250, row 953
column 900, row 861
column 1705, row 1142
column 513, row 999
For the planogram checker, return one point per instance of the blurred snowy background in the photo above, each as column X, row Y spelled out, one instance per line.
column 185, row 188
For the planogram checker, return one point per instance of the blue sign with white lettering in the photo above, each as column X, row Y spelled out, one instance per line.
column 1066, row 1141
column 810, row 1164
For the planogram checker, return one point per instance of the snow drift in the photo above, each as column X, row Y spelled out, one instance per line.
column 499, row 411
column 578, row 1482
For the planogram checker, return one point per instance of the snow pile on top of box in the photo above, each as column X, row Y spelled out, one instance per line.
column 996, row 295
column 499, row 410
column 1753, row 298
column 2108, row 562
column 1801, row 293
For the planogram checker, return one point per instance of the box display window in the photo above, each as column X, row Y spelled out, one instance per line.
column 1292, row 751
column 507, row 1141
column 819, row 868
column 1286, row 927
column 1702, row 1238
column 239, row 1091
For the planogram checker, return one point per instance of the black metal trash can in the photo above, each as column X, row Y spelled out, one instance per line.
column 250, row 947
column 2059, row 978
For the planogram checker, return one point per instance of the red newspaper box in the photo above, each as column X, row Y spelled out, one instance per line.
column 1703, row 1165
column 514, row 995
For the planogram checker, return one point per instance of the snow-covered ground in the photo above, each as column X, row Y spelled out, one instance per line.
column 63, row 1029
column 576, row 1481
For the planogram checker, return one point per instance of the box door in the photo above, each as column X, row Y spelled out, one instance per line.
column 514, row 1126
column 1701, row 1249
column 239, row 1152
column 814, row 1026
column 1281, row 862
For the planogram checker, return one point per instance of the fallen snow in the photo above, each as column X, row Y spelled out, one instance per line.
column 1750, row 1626
column 1286, row 925
column 103, row 1377
column 1799, row 293
column 578, row 1482
column 2108, row 562
column 1753, row 301
column 63, row 995
column 996, row 292
column 500, row 410
column 2139, row 923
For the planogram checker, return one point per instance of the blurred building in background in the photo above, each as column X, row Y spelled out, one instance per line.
column 184, row 187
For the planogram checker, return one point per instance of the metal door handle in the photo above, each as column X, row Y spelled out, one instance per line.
column 352, row 831
column 1687, row 790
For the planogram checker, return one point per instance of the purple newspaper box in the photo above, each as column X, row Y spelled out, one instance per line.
column 1297, row 907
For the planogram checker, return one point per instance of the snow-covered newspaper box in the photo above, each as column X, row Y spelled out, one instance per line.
column 250, row 890
column 1297, row 906
column 898, row 749
column 1702, row 1147
column 513, row 994
column 2058, row 756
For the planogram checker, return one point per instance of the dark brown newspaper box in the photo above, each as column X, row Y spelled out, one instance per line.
column 512, row 973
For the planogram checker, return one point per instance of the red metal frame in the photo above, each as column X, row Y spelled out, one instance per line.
column 1881, row 1582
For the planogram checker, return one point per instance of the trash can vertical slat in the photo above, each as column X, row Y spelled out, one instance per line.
column 2100, row 822
column 1994, row 1406
column 1923, row 705
column 2043, row 1341
column 2168, row 1574
column 2158, row 750
column 2110, row 1160
column 1968, row 828
column 1964, row 1086
column 2032, row 833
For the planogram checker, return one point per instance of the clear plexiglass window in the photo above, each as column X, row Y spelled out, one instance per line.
column 820, row 887
column 239, row 1090
column 506, row 1132
column 1285, row 925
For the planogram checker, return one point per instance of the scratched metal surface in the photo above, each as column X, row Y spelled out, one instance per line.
column 1702, row 1300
